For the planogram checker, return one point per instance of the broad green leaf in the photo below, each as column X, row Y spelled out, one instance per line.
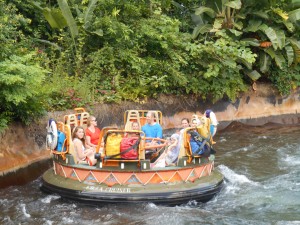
column 296, row 47
column 88, row 14
column 294, row 15
column 79, row 14
column 37, row 5
column 297, row 57
column 295, row 4
column 289, row 25
column 295, row 43
column 261, row 14
column 271, row 33
column 48, row 43
column 290, row 54
column 98, row 32
column 55, row 18
column 201, row 29
column 264, row 62
column 197, row 19
column 271, row 52
column 235, row 32
column 210, row 12
column 277, row 56
column 281, row 13
column 253, row 25
column 240, row 16
column 281, row 38
column 63, row 4
column 263, row 27
column 253, row 74
column 238, row 25
column 251, row 41
column 245, row 63
column 237, row 4
column 280, row 60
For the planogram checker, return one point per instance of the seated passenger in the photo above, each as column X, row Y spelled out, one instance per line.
column 130, row 142
column 152, row 128
column 173, row 150
column 185, row 123
column 83, row 154
column 135, row 126
column 213, row 121
column 197, row 143
column 196, row 123
column 92, row 132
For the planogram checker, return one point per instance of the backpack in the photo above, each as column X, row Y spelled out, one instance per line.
column 129, row 147
column 61, row 137
column 112, row 146
column 199, row 145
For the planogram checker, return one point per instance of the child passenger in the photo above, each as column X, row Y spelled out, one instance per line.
column 173, row 150
column 194, row 145
column 170, row 156
column 83, row 153
column 134, row 126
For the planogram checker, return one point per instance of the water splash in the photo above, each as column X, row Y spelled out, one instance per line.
column 49, row 198
column 151, row 206
column 23, row 208
column 233, row 177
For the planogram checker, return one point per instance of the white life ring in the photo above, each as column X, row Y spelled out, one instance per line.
column 51, row 139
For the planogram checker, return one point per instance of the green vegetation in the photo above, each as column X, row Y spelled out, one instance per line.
column 59, row 54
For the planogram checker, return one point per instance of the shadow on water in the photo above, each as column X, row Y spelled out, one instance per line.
column 25, row 175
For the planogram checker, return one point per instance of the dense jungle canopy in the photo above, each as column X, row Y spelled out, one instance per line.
column 57, row 54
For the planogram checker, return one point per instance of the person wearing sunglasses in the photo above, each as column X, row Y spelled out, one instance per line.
column 92, row 132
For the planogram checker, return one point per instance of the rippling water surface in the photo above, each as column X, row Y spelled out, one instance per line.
column 262, row 170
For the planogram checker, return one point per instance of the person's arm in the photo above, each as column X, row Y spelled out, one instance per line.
column 78, row 149
column 88, row 144
column 88, row 141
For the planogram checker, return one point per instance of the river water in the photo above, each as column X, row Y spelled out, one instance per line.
column 261, row 166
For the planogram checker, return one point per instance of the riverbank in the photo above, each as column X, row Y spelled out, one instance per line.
column 22, row 145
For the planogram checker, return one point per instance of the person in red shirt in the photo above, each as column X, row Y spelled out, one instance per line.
column 92, row 132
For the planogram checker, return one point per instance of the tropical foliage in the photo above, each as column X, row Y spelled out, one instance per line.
column 268, row 27
column 20, row 73
column 57, row 54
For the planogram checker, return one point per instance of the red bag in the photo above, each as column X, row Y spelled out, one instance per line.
column 129, row 147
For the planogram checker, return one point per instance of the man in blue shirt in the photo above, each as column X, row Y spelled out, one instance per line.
column 152, row 128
